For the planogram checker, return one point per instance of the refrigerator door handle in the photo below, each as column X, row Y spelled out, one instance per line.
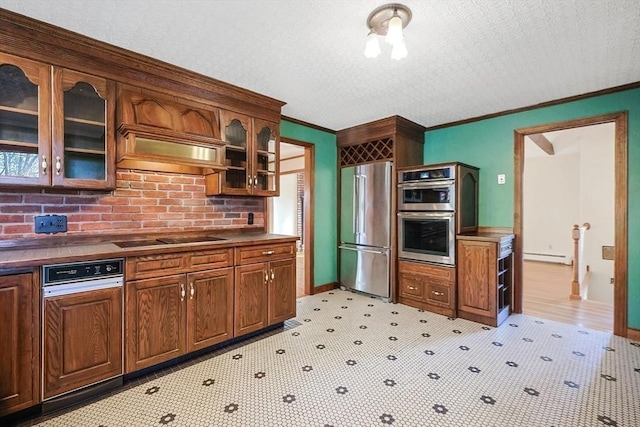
column 356, row 206
column 367, row 251
column 362, row 181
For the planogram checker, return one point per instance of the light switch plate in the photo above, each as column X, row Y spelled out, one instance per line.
column 502, row 178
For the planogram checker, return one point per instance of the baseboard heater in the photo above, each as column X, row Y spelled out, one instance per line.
column 558, row 259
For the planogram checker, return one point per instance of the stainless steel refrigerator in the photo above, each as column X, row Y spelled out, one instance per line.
column 365, row 228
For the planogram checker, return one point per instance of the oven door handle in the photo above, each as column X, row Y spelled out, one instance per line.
column 427, row 185
column 426, row 214
column 84, row 286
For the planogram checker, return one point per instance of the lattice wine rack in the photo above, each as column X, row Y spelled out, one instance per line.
column 380, row 149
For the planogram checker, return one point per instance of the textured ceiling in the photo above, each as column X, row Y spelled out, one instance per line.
column 466, row 57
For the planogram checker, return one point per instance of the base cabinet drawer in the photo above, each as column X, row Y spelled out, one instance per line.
column 426, row 286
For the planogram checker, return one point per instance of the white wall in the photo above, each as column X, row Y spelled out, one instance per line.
column 284, row 207
column 550, row 205
column 597, row 188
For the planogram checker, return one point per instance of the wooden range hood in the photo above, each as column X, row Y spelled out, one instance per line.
column 157, row 133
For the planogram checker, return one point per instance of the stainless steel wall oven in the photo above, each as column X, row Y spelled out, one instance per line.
column 435, row 202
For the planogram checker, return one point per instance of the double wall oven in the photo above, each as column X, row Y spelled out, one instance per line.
column 435, row 203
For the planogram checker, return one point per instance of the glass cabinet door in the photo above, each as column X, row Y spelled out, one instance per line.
column 24, row 121
column 83, row 136
column 266, row 157
column 236, row 128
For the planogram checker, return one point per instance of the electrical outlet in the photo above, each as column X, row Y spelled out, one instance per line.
column 502, row 178
column 50, row 223
column 250, row 218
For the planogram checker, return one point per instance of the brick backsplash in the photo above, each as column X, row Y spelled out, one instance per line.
column 143, row 202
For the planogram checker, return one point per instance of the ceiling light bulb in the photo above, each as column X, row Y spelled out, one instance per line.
column 399, row 50
column 372, row 48
column 394, row 30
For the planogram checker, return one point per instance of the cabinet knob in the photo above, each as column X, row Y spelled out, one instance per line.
column 182, row 292
column 44, row 164
column 58, row 165
column 192, row 291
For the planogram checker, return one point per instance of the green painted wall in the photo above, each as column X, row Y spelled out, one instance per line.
column 488, row 144
column 325, row 203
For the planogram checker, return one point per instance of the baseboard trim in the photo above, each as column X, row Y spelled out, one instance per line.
column 324, row 288
column 633, row 334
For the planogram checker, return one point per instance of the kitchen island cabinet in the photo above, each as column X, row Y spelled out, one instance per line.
column 19, row 333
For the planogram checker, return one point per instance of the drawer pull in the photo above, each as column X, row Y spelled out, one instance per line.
column 268, row 252
column 438, row 294
column 412, row 288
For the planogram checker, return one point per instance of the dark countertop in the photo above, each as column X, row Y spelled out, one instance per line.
column 36, row 256
column 487, row 237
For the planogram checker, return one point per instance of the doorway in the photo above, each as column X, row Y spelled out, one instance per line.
column 568, row 180
column 290, row 213
column 619, row 121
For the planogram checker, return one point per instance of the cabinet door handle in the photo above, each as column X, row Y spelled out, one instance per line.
column 436, row 293
column 273, row 275
column 266, row 277
column 44, row 164
column 58, row 165
column 192, row 291
column 255, row 180
column 182, row 292
column 249, row 182
column 268, row 252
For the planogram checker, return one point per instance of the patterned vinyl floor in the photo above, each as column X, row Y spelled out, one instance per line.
column 350, row 360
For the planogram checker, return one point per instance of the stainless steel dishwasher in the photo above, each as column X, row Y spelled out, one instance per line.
column 82, row 339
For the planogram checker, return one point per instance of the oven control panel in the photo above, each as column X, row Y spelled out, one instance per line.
column 421, row 175
column 78, row 271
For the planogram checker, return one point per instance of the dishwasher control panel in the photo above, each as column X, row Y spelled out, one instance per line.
column 81, row 271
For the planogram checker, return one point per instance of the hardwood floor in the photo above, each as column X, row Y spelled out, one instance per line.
column 546, row 294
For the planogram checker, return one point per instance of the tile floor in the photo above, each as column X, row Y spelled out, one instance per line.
column 350, row 360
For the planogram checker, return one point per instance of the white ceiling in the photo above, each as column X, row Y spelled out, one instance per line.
column 467, row 58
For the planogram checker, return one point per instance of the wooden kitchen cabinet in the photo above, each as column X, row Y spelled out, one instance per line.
column 265, row 288
column 429, row 287
column 82, row 339
column 160, row 133
column 251, row 157
column 210, row 308
column 154, row 321
column 56, row 126
column 19, row 340
column 485, row 278
column 178, row 303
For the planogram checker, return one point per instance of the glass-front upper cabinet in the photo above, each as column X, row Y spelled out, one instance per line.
column 83, row 134
column 236, row 131
column 25, row 94
column 266, row 158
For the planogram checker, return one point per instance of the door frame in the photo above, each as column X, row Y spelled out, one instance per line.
column 620, row 120
column 307, row 211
